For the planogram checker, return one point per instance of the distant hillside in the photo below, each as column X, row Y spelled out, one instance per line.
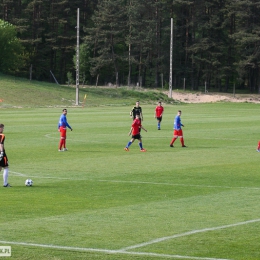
column 19, row 92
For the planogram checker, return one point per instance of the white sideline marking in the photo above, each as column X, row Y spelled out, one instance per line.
column 158, row 240
column 136, row 182
column 107, row 251
column 18, row 173
column 185, row 185
column 43, row 177
column 48, row 136
column 124, row 250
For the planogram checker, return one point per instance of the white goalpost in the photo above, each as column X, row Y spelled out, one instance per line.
column 77, row 61
column 170, row 78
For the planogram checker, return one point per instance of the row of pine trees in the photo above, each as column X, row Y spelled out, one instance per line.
column 127, row 42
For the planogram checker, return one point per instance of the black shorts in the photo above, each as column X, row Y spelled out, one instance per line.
column 138, row 136
column 4, row 161
column 159, row 118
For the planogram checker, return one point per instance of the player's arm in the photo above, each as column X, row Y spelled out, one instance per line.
column 67, row 124
column 69, row 127
column 143, row 128
column 59, row 125
column 131, row 113
column 162, row 112
column 1, row 151
column 130, row 132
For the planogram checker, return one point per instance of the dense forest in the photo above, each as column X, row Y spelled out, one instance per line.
column 127, row 42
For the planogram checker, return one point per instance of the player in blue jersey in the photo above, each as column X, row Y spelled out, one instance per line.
column 177, row 132
column 62, row 128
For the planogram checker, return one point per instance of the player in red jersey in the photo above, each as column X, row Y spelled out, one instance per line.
column 258, row 147
column 158, row 114
column 3, row 157
column 135, row 131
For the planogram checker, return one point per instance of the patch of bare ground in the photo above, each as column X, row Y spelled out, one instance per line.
column 200, row 97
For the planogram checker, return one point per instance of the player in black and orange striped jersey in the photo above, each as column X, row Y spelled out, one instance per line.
column 3, row 157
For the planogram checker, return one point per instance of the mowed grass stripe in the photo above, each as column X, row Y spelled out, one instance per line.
column 113, row 199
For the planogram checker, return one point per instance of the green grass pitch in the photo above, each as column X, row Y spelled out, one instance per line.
column 97, row 201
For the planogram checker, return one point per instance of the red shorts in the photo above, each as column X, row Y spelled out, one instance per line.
column 63, row 132
column 177, row 132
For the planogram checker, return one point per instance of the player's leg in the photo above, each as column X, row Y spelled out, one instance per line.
column 64, row 145
column 141, row 145
column 175, row 136
column 159, row 123
column 181, row 138
column 4, row 165
column 62, row 138
column 61, row 143
column 129, row 143
column 182, row 141
column 5, row 177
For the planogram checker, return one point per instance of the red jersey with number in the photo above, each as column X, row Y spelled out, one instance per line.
column 159, row 111
column 136, row 125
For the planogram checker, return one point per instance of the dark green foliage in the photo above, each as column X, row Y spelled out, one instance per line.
column 247, row 43
column 128, row 42
column 47, row 31
column 107, row 37
column 11, row 50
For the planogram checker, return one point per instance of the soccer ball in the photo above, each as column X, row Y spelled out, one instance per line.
column 28, row 182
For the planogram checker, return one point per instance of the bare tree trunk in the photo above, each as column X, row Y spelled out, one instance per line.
column 97, row 80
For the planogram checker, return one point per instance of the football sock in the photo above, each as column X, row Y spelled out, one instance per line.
column 141, row 145
column 64, row 143
column 5, row 176
column 258, row 147
column 173, row 140
column 129, row 143
column 61, row 143
column 182, row 141
column 158, row 125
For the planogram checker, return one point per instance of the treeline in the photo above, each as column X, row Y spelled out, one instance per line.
column 127, row 42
